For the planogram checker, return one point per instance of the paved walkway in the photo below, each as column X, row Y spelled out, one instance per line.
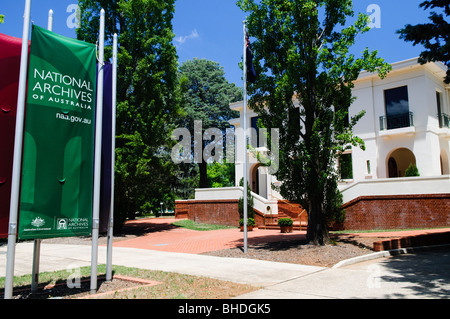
column 415, row 275
column 165, row 237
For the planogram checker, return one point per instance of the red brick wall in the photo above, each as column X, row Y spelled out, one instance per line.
column 220, row 212
column 398, row 212
column 363, row 213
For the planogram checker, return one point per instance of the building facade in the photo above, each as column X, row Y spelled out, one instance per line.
column 406, row 123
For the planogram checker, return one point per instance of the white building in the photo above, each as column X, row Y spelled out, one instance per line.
column 407, row 121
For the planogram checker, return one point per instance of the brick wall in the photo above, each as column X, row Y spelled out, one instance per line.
column 220, row 212
column 398, row 212
column 363, row 213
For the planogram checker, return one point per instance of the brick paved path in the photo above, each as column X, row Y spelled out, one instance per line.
column 160, row 235
column 163, row 236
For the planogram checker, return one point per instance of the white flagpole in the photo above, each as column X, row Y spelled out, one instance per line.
column 98, row 155
column 50, row 20
column 113, row 153
column 245, row 140
column 37, row 242
column 17, row 163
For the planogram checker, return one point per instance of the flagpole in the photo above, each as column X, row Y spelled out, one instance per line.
column 113, row 151
column 245, row 141
column 17, row 163
column 37, row 242
column 50, row 20
column 98, row 155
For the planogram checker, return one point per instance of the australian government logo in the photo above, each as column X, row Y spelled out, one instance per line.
column 38, row 224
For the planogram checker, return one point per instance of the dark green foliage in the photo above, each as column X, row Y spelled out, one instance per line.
column 285, row 222
column 301, row 50
column 250, row 203
column 412, row 171
column 148, row 98
column 207, row 98
column 434, row 36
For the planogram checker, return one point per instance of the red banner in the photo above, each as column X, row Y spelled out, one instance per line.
column 10, row 52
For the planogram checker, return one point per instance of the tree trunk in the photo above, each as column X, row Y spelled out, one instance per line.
column 203, row 170
column 317, row 231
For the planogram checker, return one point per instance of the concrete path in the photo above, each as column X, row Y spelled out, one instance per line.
column 420, row 274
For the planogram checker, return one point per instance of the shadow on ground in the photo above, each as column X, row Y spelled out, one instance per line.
column 425, row 274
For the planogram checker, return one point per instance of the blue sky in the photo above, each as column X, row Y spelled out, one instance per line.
column 212, row 29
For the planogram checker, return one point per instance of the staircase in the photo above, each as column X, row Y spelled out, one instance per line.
column 287, row 210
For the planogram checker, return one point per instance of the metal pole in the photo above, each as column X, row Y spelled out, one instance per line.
column 37, row 242
column 50, row 20
column 113, row 153
column 98, row 155
column 35, row 270
column 245, row 140
column 17, row 163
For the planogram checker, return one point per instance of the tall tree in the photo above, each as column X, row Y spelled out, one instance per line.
column 147, row 97
column 2, row 18
column 434, row 36
column 301, row 53
column 207, row 99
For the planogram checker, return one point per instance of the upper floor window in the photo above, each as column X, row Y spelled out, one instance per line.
column 444, row 119
column 397, row 108
column 255, row 130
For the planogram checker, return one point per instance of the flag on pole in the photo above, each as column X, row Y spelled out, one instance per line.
column 107, row 169
column 10, row 53
column 251, row 73
column 58, row 152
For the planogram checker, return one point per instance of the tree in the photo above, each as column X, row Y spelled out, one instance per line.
column 433, row 36
column 207, row 99
column 301, row 53
column 148, row 97
column 2, row 18
column 221, row 175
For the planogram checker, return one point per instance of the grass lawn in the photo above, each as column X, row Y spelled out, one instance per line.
column 172, row 285
column 189, row 224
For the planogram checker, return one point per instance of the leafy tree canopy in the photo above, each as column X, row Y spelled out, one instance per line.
column 148, row 97
column 434, row 36
column 304, row 87
column 207, row 98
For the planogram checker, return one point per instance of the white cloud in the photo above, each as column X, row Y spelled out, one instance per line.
column 181, row 40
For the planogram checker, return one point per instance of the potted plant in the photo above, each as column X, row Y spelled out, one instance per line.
column 286, row 225
column 250, row 224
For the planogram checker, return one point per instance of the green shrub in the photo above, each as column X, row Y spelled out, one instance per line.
column 250, row 203
column 285, row 222
column 412, row 170
column 250, row 222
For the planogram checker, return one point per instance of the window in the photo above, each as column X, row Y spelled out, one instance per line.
column 444, row 119
column 255, row 130
column 346, row 166
column 397, row 108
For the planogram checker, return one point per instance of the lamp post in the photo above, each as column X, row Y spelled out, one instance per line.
column 161, row 208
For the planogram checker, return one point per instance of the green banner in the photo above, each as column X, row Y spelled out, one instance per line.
column 58, row 155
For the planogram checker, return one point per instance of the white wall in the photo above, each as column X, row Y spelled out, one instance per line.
column 397, row 186
column 423, row 139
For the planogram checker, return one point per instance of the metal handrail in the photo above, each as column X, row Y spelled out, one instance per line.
column 444, row 120
column 389, row 122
